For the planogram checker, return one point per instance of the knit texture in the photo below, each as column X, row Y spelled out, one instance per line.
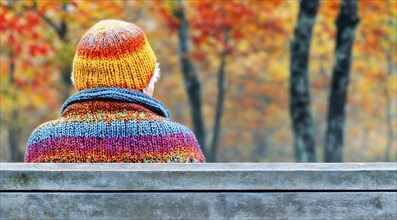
column 120, row 95
column 113, row 125
column 113, row 53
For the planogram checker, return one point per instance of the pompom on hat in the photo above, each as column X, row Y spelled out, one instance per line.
column 113, row 53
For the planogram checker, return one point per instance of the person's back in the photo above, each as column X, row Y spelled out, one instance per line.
column 113, row 117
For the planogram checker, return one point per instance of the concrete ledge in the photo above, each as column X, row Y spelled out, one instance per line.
column 216, row 176
column 303, row 205
column 199, row 191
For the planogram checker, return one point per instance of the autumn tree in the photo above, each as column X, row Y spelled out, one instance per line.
column 346, row 30
column 373, row 89
column 61, row 29
column 391, row 69
column 58, row 24
column 191, row 79
column 18, row 81
column 300, row 107
column 222, row 31
column 214, row 24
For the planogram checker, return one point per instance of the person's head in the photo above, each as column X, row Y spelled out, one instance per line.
column 115, row 53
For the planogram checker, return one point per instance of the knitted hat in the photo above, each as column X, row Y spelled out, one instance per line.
column 113, row 53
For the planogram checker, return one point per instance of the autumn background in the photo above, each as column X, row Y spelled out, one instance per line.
column 232, row 71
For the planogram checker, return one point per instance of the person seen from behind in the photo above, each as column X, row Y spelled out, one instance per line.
column 113, row 117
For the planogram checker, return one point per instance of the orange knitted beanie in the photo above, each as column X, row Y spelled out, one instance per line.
column 113, row 53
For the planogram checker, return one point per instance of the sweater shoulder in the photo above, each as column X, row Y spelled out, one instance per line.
column 41, row 130
column 176, row 126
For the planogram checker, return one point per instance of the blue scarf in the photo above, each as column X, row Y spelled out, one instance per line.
column 119, row 94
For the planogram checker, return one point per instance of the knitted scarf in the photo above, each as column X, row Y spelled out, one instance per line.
column 119, row 94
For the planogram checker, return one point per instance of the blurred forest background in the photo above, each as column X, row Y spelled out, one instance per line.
column 265, row 81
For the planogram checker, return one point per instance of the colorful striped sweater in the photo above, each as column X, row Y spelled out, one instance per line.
column 112, row 125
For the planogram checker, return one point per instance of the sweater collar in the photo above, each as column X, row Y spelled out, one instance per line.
column 118, row 94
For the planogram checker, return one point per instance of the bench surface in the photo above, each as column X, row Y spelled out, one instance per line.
column 199, row 191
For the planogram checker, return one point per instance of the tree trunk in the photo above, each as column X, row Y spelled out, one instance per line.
column 364, row 140
column 13, row 125
column 389, row 126
column 220, row 98
column 66, row 70
column 191, row 79
column 391, row 135
column 261, row 147
column 66, row 83
column 300, row 109
column 14, row 131
column 61, row 31
column 346, row 29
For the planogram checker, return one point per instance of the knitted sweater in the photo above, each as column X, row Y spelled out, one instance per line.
column 112, row 125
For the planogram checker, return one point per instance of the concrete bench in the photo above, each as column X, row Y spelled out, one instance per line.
column 199, row 191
